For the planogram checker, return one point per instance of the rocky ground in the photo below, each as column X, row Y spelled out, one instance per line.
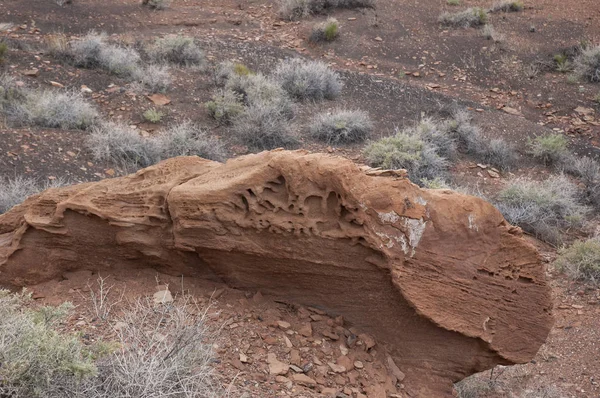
column 397, row 63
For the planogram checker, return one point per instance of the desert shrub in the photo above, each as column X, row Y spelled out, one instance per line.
column 341, row 126
column 435, row 183
column 549, row 148
column 157, row 4
column 14, row 191
column 256, row 89
column 36, row 360
column 588, row 171
column 166, row 350
column 225, row 106
column 264, row 126
column 542, row 208
column 3, row 51
column 438, row 135
column 94, row 51
column 581, row 261
column 496, row 152
column 491, row 34
column 153, row 116
column 507, row 6
column 563, row 65
column 587, row 64
column 154, row 77
column 10, row 94
column 58, row 46
column 407, row 150
column 325, row 31
column 226, row 70
column 120, row 144
column 179, row 50
column 453, row 2
column 63, row 2
column 296, row 9
column 470, row 17
column 53, row 109
column 307, row 80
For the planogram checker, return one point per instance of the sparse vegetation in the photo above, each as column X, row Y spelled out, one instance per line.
column 453, row 2
column 491, row 34
column 543, row 208
column 14, row 191
column 53, row 109
column 471, row 17
column 155, row 78
column 307, row 80
column 153, row 116
column 550, row 148
column 37, row 361
column 407, row 150
column 225, row 106
column 3, row 51
column 588, row 171
column 178, row 50
column 122, row 145
column 325, row 31
column 587, row 64
column 157, row 4
column 507, row 6
column 341, row 126
column 581, row 261
column 257, row 89
column 563, row 65
column 297, row 9
column 264, row 126
column 226, row 70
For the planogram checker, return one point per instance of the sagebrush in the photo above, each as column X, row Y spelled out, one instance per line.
column 179, row 50
column 15, row 190
column 307, row 80
column 341, row 126
column 581, row 261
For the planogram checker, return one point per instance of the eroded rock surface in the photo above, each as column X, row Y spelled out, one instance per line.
column 438, row 277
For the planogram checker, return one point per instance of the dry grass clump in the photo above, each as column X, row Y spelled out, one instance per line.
column 52, row 109
column 36, row 361
column 225, row 106
column 157, row 4
column 341, row 126
column 581, row 261
column 307, row 80
column 507, row 6
column 325, row 31
column 587, row 64
column 296, row 9
column 471, row 17
column 120, row 144
column 542, row 208
column 14, row 191
column 549, row 148
column 178, row 50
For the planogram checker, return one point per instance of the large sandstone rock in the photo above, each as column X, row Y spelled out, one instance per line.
column 439, row 277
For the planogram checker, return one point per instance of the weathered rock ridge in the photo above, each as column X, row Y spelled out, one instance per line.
column 439, row 277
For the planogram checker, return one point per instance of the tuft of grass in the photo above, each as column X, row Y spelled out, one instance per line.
column 563, row 65
column 471, row 17
column 157, row 4
column 508, row 6
column 178, row 50
column 225, row 106
column 153, row 116
column 341, row 126
column 587, row 64
column 120, row 144
column 264, row 126
column 453, row 2
column 325, row 31
column 14, row 191
column 542, row 208
column 436, row 183
column 307, row 80
column 37, row 361
column 550, row 148
column 53, row 109
column 581, row 261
